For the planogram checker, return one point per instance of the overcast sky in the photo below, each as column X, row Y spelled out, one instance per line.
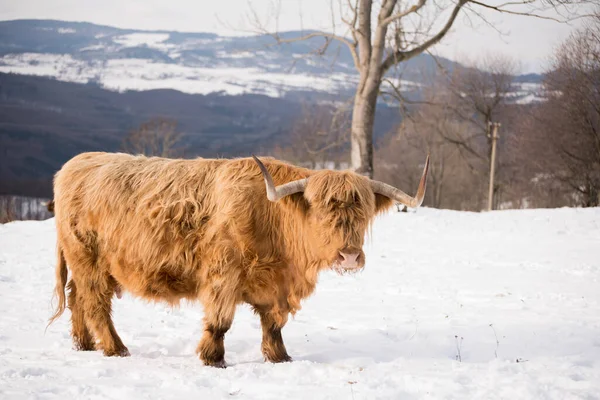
column 528, row 40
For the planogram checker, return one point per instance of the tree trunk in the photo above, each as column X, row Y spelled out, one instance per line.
column 592, row 196
column 438, row 187
column 363, row 119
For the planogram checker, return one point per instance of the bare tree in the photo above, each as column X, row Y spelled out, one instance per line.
column 157, row 137
column 452, row 181
column 386, row 33
column 13, row 208
column 480, row 95
column 560, row 141
column 452, row 121
column 474, row 98
column 317, row 135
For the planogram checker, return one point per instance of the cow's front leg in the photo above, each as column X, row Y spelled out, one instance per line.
column 217, row 321
column 272, row 322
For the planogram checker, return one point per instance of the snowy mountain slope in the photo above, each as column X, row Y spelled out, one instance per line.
column 120, row 59
column 529, row 278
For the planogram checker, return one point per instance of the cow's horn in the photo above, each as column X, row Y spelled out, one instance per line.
column 275, row 193
column 399, row 195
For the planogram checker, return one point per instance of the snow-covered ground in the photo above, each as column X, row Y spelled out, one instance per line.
column 517, row 291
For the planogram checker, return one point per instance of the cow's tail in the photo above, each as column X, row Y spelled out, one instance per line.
column 61, row 282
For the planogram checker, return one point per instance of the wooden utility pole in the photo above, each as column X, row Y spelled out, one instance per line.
column 494, row 135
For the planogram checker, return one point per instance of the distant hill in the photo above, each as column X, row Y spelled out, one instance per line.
column 124, row 59
column 68, row 87
column 44, row 122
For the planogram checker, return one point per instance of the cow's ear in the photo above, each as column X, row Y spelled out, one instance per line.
column 382, row 203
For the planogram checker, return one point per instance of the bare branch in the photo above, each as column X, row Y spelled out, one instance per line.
column 402, row 99
column 352, row 23
column 328, row 36
column 524, row 14
column 404, row 13
column 157, row 137
column 398, row 56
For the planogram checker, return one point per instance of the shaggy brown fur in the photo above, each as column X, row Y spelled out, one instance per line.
column 204, row 230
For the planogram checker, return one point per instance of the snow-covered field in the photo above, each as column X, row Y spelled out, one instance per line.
column 138, row 74
column 517, row 291
column 184, row 62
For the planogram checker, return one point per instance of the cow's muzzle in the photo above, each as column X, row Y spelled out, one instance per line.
column 349, row 261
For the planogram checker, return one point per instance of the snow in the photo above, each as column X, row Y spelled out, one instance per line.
column 196, row 65
column 529, row 99
column 236, row 54
column 528, row 277
column 61, row 66
column 527, row 93
column 151, row 40
column 94, row 47
column 140, row 74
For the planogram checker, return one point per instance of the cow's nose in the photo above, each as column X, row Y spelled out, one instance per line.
column 349, row 258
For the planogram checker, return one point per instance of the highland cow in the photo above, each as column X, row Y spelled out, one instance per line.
column 205, row 230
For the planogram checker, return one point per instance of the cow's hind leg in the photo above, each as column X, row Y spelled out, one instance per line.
column 272, row 346
column 97, row 288
column 218, row 317
column 82, row 338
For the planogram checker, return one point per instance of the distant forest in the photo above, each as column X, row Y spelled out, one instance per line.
column 44, row 122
